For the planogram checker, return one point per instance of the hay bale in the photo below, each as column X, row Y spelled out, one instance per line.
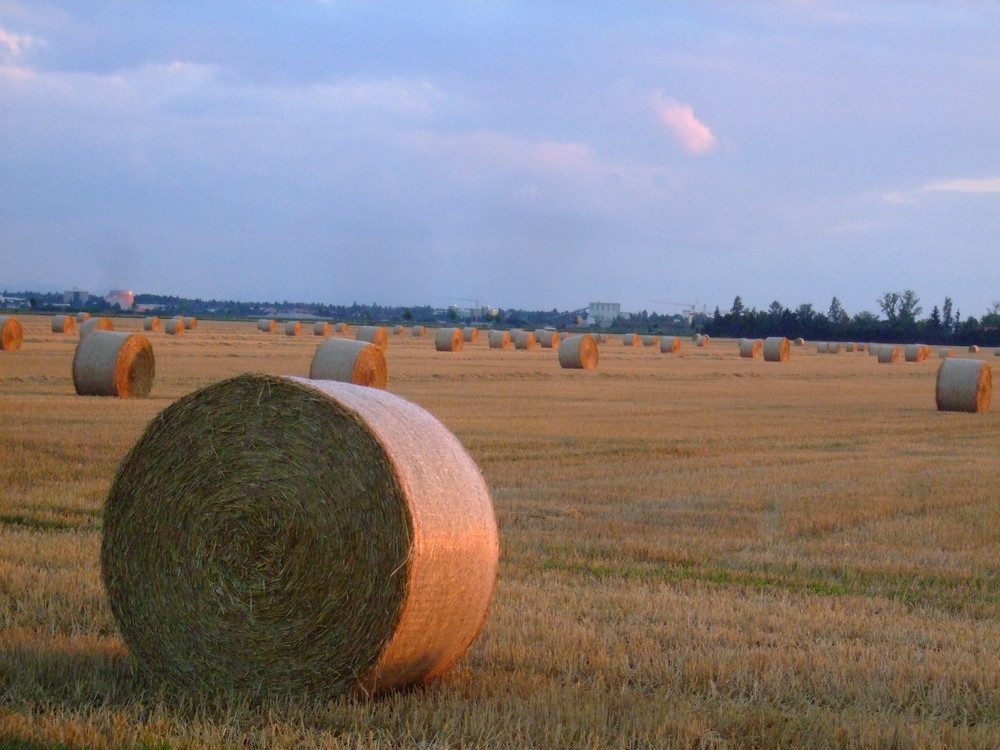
column 321, row 328
column 974, row 349
column 267, row 325
column 850, row 347
column 63, row 323
column 364, row 558
column 95, row 324
column 174, row 327
column 631, row 339
column 449, row 340
column 777, row 349
column 873, row 349
column 888, row 354
column 916, row 352
column 547, row 339
column 342, row 328
column 524, row 340
column 670, row 344
column 293, row 328
column 418, row 331
column 151, row 323
column 751, row 348
column 799, row 341
column 11, row 333
column 650, row 340
column 944, row 352
column 500, row 340
column 113, row 363
column 374, row 335
column 82, row 316
column 470, row 334
column 190, row 323
column 578, row 352
column 349, row 361
column 822, row 347
column 703, row 340
column 833, row 347
column 398, row 330
column 964, row 385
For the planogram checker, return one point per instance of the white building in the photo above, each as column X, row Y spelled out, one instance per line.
column 76, row 297
column 603, row 313
column 124, row 298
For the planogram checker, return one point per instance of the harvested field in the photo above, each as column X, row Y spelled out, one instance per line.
column 699, row 550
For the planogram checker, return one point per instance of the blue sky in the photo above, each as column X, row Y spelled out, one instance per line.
column 525, row 154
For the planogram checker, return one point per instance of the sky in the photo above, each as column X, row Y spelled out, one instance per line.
column 531, row 155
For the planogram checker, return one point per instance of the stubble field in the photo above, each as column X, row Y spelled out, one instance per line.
column 697, row 550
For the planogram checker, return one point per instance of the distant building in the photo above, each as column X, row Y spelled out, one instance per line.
column 124, row 298
column 603, row 313
column 75, row 297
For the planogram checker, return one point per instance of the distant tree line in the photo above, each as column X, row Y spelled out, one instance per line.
column 900, row 322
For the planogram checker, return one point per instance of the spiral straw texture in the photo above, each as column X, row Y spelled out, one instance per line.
column 280, row 535
column 350, row 361
column 114, row 363
column 11, row 333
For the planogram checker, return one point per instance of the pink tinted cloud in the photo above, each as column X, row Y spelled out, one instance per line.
column 693, row 135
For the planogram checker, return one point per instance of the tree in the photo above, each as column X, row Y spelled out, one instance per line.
column 935, row 319
column 909, row 308
column 776, row 310
column 889, row 304
column 738, row 307
column 946, row 318
column 837, row 315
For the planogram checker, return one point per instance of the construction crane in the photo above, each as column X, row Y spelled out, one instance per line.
column 690, row 311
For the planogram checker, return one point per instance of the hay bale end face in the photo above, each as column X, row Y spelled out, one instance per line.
column 350, row 361
column 578, row 352
column 95, row 324
column 670, row 344
column 449, row 340
column 114, row 363
column 375, row 572
column 174, row 327
column 151, row 323
column 500, row 340
column 964, row 385
column 374, row 335
column 11, row 333
column 63, row 323
column 777, row 349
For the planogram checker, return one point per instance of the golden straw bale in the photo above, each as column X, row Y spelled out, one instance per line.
column 190, row 323
column 397, row 330
column 974, row 349
column 63, row 323
column 500, row 340
column 82, row 316
column 350, row 361
column 944, row 352
column 799, row 341
column 374, row 335
column 11, row 333
column 174, row 327
column 151, row 323
column 418, row 331
column 964, row 385
column 888, row 354
column 449, row 340
column 631, row 339
column 650, row 340
column 547, row 339
column 703, row 340
column 578, row 352
column 113, row 363
column 284, row 536
column 293, row 328
column 916, row 352
column 267, row 325
column 470, row 334
column 850, row 346
column 670, row 344
column 321, row 328
column 833, row 347
column 95, row 324
column 751, row 348
column 524, row 340
column 822, row 347
column 342, row 328
column 777, row 349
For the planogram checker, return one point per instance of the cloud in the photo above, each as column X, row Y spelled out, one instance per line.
column 13, row 46
column 964, row 185
column 693, row 135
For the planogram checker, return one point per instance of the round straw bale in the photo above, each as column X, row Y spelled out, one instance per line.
column 833, row 347
column 11, row 333
column 578, row 352
column 95, row 324
column 547, row 339
column 397, row 330
column 114, row 363
column 944, row 352
column 151, row 323
column 374, row 335
column 915, row 353
column 449, row 340
column 419, row 331
column 293, row 328
column 63, row 323
column 888, row 354
column 799, row 341
column 822, row 347
column 631, row 339
column 174, row 327
column 267, row 325
column 82, row 316
column 350, row 361
column 850, row 346
column 974, row 349
column 190, row 323
column 470, row 334
column 670, row 344
column 342, row 328
column 650, row 340
column 703, row 340
column 321, row 328
column 500, row 340
column 777, row 349
column 751, row 348
column 964, row 385
column 277, row 535
column 873, row 349
column 524, row 340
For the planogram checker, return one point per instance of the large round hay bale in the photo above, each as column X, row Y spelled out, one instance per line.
column 888, row 354
column 850, row 346
column 873, row 349
column 151, row 323
column 833, row 347
column 799, row 341
column 822, row 347
column 95, row 324
column 398, row 330
column 578, row 352
column 174, row 327
column 321, row 328
column 418, row 331
column 374, row 335
column 293, row 328
column 114, row 363
column 973, row 349
column 944, row 352
column 751, row 348
column 631, row 339
column 470, row 334
column 63, row 323
column 703, row 340
column 349, row 543
column 82, row 316
column 350, row 361
column 547, row 339
column 499, row 340
column 11, row 333
column 964, row 385
column 267, row 325
column 524, row 340
column 342, row 328
column 650, row 340
column 190, row 323
column 915, row 352
column 777, row 349
column 449, row 340
column 670, row 344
